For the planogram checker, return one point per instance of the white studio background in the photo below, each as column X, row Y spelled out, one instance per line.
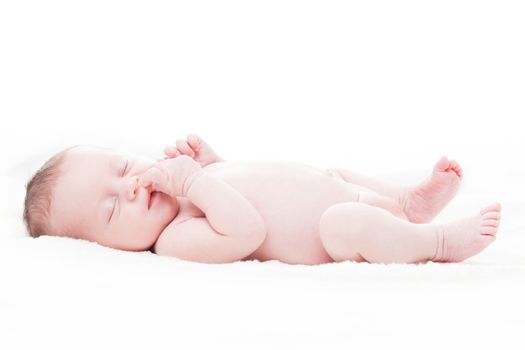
column 383, row 87
column 328, row 81
column 380, row 86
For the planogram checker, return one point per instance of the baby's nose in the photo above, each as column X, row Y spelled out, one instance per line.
column 133, row 188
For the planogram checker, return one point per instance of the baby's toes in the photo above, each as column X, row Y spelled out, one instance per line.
column 488, row 230
column 454, row 166
column 492, row 215
column 496, row 207
column 490, row 222
column 442, row 165
column 485, row 240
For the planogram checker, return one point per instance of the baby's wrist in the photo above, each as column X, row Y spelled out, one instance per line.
column 190, row 181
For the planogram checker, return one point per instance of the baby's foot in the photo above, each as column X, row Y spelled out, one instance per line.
column 422, row 203
column 464, row 238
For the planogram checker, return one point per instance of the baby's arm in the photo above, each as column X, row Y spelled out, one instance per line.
column 227, row 210
column 231, row 230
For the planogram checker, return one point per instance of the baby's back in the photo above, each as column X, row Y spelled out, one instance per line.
column 291, row 197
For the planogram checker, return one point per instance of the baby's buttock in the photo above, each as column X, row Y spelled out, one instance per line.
column 291, row 198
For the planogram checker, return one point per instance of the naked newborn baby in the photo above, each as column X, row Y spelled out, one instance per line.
column 195, row 206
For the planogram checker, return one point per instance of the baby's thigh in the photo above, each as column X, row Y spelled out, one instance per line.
column 367, row 196
column 339, row 229
column 356, row 193
column 348, row 185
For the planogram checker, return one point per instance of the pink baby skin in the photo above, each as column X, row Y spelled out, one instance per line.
column 195, row 206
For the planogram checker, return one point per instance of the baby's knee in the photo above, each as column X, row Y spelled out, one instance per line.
column 342, row 228
column 339, row 217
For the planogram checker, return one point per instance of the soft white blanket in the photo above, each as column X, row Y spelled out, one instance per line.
column 60, row 292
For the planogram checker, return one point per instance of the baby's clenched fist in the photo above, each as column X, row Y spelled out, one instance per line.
column 172, row 176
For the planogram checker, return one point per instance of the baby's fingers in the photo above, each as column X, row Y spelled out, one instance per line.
column 184, row 148
column 155, row 178
column 195, row 142
column 171, row 151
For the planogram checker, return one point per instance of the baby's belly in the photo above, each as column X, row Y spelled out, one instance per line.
column 291, row 197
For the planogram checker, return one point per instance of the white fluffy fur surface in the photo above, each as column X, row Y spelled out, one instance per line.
column 61, row 293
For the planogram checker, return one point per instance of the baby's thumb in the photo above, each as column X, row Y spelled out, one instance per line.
column 153, row 177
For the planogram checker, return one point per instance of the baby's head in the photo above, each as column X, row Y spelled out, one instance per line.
column 95, row 194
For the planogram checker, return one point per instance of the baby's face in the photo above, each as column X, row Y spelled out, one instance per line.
column 98, row 198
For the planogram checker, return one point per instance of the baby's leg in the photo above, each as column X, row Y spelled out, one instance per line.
column 420, row 203
column 360, row 232
column 367, row 196
column 376, row 200
column 384, row 188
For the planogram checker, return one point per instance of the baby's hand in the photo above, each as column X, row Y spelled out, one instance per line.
column 194, row 147
column 172, row 176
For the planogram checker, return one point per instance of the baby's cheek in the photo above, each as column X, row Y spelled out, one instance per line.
column 162, row 216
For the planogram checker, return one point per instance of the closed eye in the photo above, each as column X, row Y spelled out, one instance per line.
column 112, row 210
column 125, row 168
